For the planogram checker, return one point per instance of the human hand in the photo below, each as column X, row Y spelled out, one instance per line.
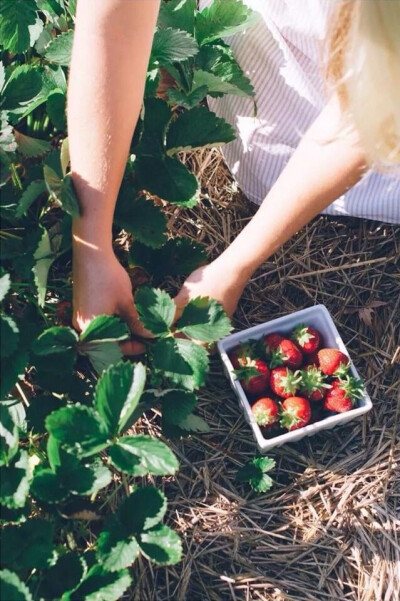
column 216, row 281
column 102, row 287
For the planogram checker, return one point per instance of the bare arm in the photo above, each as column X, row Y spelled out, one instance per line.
column 328, row 161
column 111, row 51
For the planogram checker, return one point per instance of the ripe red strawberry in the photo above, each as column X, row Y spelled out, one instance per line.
column 343, row 394
column 271, row 341
column 286, row 353
column 331, row 359
column 254, row 376
column 284, row 382
column 308, row 339
column 64, row 312
column 296, row 413
column 313, row 384
column 265, row 411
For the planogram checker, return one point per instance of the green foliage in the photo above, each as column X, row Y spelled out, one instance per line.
column 255, row 473
column 156, row 310
column 12, row 588
column 117, row 394
column 198, row 128
column 205, row 320
column 222, row 18
column 171, row 46
column 15, row 19
column 73, row 438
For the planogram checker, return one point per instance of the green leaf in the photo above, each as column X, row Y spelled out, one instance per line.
column 68, row 197
column 172, row 45
column 178, row 15
column 115, row 550
column 39, row 408
column 142, row 510
column 154, row 455
column 29, row 195
column 105, row 328
column 255, row 472
column 9, row 336
column 60, row 49
column 181, row 361
column 23, row 85
column 156, row 309
column 100, row 585
column 44, row 258
column 99, row 341
column 188, row 101
column 141, row 218
column 223, row 18
column 102, row 354
column 53, row 7
column 174, row 182
column 55, row 340
column 58, row 342
column 192, row 424
column 31, row 148
column 62, row 190
column 179, row 256
column 64, row 576
column 117, row 394
column 27, row 546
column 204, row 319
column 8, row 435
column 12, row 588
column 198, row 128
column 177, row 405
column 47, row 487
column 152, row 82
column 56, row 105
column 78, row 428
column 11, row 369
column 230, row 72
column 161, row 545
column 15, row 18
column 81, row 477
column 15, row 480
column 5, row 283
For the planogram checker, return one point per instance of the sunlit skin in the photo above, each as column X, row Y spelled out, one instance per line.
column 104, row 100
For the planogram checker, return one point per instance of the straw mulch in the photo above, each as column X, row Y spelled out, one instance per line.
column 329, row 529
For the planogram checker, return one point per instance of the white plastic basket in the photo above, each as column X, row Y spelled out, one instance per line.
column 317, row 317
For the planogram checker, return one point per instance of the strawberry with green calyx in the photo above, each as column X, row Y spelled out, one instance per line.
column 296, row 413
column 242, row 354
column 330, row 360
column 254, row 376
column 265, row 411
column 308, row 339
column 343, row 394
column 313, row 384
column 284, row 382
column 271, row 342
column 287, row 353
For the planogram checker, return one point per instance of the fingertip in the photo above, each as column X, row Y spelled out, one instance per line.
column 132, row 348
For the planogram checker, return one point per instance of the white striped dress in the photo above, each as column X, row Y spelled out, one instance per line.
column 281, row 55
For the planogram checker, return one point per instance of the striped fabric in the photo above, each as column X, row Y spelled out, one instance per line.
column 282, row 57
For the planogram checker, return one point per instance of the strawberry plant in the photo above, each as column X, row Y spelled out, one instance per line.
column 69, row 401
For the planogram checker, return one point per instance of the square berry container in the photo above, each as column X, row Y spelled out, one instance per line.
column 317, row 317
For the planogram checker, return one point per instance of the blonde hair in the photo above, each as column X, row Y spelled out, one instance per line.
column 364, row 66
